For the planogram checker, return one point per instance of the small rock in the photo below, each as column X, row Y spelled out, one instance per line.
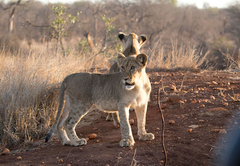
column 161, row 162
column 225, row 104
column 87, row 139
column 130, row 148
column 212, row 97
column 214, row 82
column 19, row 158
column 61, row 161
column 92, row 136
column 193, row 102
column 205, row 100
column 193, row 126
column 189, row 130
column 201, row 121
column 157, row 128
column 196, row 91
column 5, row 151
column 97, row 141
column 202, row 106
column 69, row 165
column 54, row 138
column 190, row 90
column 131, row 121
column 171, row 122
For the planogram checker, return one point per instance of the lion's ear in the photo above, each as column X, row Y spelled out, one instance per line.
column 142, row 58
column 120, row 58
column 142, row 39
column 121, row 35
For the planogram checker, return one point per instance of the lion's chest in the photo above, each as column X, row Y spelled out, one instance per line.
column 137, row 99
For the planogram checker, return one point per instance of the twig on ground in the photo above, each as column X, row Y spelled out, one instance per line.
column 163, row 126
column 134, row 162
column 67, row 157
column 163, row 86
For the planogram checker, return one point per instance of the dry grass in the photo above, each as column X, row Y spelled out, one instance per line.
column 178, row 56
column 29, row 83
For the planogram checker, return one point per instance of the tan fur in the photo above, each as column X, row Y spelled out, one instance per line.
column 116, row 92
column 132, row 44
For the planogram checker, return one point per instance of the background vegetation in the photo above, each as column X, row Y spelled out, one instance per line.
column 48, row 42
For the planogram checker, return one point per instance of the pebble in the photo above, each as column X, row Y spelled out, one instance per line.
column 5, row 151
column 189, row 130
column 171, row 122
column 212, row 97
column 19, row 158
column 92, row 136
column 194, row 126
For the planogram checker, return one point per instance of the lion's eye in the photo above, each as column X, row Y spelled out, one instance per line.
column 123, row 68
column 132, row 67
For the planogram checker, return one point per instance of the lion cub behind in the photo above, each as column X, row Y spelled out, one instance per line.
column 82, row 92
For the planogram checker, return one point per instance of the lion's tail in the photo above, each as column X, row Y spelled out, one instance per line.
column 60, row 106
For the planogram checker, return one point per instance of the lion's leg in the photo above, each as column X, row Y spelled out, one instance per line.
column 61, row 127
column 126, row 131
column 141, row 119
column 109, row 117
column 115, row 117
column 71, row 123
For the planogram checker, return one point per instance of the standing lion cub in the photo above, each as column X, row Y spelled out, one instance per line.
column 130, row 88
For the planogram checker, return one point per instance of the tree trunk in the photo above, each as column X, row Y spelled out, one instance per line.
column 11, row 19
column 63, row 50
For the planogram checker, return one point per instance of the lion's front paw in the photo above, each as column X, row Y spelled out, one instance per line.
column 146, row 137
column 80, row 142
column 127, row 142
column 66, row 142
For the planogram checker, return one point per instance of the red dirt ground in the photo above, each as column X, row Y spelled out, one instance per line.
column 185, row 145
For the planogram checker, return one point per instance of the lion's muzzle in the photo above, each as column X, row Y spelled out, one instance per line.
column 129, row 86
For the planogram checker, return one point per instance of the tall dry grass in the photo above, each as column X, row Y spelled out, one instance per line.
column 29, row 83
column 177, row 56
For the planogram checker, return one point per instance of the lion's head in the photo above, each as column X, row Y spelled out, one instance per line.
column 132, row 43
column 132, row 69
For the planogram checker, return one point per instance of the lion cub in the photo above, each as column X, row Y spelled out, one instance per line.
column 132, row 44
column 130, row 88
